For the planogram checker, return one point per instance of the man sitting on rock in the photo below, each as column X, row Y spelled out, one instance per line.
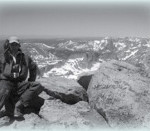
column 17, row 93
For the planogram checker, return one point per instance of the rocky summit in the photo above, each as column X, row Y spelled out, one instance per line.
column 64, row 105
column 117, row 97
column 99, row 83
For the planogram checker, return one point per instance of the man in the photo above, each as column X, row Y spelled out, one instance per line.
column 16, row 92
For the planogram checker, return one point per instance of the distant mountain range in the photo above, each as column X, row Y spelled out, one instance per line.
column 72, row 57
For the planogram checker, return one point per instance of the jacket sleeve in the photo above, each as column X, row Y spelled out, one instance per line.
column 1, row 66
column 5, row 69
column 32, row 70
column 2, row 61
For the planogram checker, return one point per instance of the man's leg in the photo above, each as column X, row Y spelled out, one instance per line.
column 5, row 94
column 30, row 91
column 36, row 104
column 10, row 105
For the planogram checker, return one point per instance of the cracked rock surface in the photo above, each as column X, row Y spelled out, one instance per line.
column 120, row 94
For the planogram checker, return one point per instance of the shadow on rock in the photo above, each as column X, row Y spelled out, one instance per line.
column 35, row 107
column 84, row 81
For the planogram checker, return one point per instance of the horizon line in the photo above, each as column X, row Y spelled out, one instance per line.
column 71, row 37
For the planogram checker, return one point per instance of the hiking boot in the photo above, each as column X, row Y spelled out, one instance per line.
column 18, row 108
column 5, row 113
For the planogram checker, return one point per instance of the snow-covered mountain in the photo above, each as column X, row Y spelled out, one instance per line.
column 75, row 65
column 72, row 57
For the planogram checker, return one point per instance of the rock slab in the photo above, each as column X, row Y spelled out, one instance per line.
column 68, row 91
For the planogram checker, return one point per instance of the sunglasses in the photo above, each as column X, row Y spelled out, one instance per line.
column 14, row 44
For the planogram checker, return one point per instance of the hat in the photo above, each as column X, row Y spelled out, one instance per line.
column 14, row 39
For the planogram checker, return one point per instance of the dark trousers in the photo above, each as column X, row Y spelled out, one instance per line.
column 5, row 90
column 26, row 92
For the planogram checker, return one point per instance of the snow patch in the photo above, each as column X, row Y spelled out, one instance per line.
column 148, row 45
column 99, row 44
column 49, row 47
column 132, row 53
column 120, row 45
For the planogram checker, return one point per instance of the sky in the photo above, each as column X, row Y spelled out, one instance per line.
column 90, row 18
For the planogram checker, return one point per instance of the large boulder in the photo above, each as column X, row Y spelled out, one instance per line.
column 79, row 115
column 68, row 91
column 120, row 94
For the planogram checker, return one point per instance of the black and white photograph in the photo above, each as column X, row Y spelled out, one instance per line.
column 70, row 65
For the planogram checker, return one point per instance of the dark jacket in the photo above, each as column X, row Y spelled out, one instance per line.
column 23, row 65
